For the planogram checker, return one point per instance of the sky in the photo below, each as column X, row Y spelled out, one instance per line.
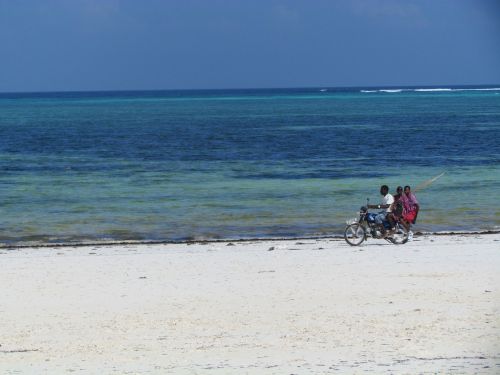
column 80, row 45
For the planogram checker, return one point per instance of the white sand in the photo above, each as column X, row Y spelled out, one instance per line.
column 308, row 306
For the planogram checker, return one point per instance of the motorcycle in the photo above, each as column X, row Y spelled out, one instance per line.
column 359, row 229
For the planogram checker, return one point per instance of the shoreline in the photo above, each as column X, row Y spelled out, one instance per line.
column 5, row 246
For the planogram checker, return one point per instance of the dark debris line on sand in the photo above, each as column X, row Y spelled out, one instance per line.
column 18, row 351
column 230, row 242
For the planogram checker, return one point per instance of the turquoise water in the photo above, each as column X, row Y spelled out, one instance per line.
column 179, row 165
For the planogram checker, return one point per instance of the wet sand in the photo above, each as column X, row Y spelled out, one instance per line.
column 261, row 307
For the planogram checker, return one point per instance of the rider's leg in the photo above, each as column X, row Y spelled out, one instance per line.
column 379, row 219
column 405, row 224
column 391, row 220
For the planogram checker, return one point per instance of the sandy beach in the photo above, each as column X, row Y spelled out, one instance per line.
column 256, row 307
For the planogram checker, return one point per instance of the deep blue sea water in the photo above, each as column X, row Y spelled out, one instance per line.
column 179, row 165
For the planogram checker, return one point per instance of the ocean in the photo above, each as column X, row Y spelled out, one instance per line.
column 231, row 164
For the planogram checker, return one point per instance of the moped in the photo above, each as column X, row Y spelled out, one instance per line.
column 359, row 229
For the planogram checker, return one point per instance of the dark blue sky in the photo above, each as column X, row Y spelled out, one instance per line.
column 50, row 45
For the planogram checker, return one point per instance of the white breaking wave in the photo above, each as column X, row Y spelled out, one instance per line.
column 483, row 89
column 383, row 90
column 398, row 90
column 444, row 89
column 431, row 90
column 448, row 89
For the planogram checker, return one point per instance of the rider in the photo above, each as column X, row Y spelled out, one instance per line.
column 397, row 207
column 399, row 193
column 410, row 205
column 387, row 202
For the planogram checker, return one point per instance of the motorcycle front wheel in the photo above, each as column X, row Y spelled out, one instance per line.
column 354, row 234
column 400, row 236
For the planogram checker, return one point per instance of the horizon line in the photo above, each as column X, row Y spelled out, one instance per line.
column 249, row 88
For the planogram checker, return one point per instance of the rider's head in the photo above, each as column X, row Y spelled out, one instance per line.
column 399, row 190
column 407, row 190
column 384, row 189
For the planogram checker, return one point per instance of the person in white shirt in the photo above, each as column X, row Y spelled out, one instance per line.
column 387, row 201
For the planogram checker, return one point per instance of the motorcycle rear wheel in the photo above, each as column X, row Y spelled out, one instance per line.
column 354, row 234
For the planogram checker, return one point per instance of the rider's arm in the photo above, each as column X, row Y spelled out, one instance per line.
column 378, row 205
